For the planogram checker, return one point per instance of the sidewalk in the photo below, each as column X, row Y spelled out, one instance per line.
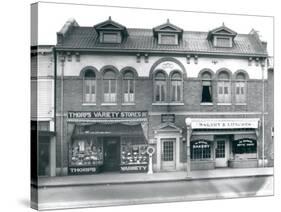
column 119, row 178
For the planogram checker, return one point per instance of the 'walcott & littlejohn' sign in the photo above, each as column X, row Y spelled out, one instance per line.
column 106, row 115
column 224, row 123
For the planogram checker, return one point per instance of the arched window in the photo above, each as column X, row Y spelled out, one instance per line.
column 160, row 86
column 109, row 86
column 224, row 88
column 89, row 86
column 128, row 87
column 176, row 87
column 206, row 96
column 240, row 88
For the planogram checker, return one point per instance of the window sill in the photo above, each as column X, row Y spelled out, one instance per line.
column 129, row 103
column 159, row 103
column 108, row 104
column 240, row 103
column 167, row 104
column 206, row 103
column 89, row 104
column 176, row 103
column 224, row 104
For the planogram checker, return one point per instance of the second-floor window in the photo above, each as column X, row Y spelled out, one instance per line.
column 240, row 88
column 109, row 87
column 160, row 87
column 128, row 87
column 176, row 87
column 206, row 96
column 224, row 88
column 89, row 86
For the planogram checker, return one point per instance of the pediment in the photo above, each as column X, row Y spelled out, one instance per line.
column 222, row 30
column 167, row 27
column 109, row 24
column 167, row 127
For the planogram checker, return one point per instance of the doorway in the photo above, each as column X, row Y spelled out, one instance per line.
column 221, row 152
column 168, row 154
column 111, row 152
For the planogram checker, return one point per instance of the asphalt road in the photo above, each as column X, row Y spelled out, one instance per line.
column 122, row 194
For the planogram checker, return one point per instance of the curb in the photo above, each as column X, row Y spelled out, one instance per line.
column 147, row 181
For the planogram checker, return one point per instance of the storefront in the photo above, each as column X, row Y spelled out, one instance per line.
column 107, row 142
column 218, row 143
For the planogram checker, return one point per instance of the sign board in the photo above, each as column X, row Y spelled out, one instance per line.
column 106, row 114
column 133, row 168
column 224, row 123
column 168, row 118
column 83, row 170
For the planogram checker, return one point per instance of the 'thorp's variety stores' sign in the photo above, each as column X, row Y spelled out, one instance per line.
column 102, row 115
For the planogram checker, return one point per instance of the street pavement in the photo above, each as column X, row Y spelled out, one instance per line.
column 126, row 194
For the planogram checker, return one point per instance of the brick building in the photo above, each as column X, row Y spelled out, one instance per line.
column 200, row 99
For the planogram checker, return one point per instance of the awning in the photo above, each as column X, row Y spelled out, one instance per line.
column 112, row 129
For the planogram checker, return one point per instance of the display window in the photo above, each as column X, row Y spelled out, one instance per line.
column 200, row 150
column 244, row 148
column 86, row 152
column 133, row 151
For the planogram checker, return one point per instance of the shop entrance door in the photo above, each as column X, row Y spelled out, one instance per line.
column 111, row 146
column 43, row 156
column 168, row 156
column 221, row 152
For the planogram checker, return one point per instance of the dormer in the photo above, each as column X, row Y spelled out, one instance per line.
column 111, row 32
column 167, row 34
column 222, row 37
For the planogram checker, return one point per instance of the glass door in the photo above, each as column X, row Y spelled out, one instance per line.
column 221, row 153
column 168, row 159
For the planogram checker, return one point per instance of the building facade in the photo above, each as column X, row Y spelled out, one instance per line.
column 196, row 100
column 43, row 140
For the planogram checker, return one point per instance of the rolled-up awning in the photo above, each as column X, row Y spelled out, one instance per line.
column 112, row 129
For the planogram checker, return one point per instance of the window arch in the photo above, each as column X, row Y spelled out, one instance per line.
column 176, row 87
column 109, row 86
column 224, row 87
column 206, row 96
column 128, row 86
column 89, row 86
column 160, row 86
column 240, row 88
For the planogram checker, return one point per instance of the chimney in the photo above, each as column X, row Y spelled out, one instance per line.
column 66, row 29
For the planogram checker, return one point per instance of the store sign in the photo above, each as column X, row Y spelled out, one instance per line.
column 106, row 115
column 133, row 168
column 83, row 170
column 200, row 145
column 224, row 123
column 168, row 118
column 245, row 143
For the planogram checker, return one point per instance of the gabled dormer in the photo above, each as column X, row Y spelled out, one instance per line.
column 222, row 37
column 167, row 34
column 111, row 32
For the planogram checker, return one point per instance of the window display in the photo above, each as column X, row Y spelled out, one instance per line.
column 133, row 154
column 200, row 150
column 244, row 148
column 86, row 152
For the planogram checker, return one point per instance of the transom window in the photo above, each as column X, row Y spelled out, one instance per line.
column 109, row 87
column 128, row 87
column 224, row 88
column 176, row 87
column 89, row 86
column 240, row 88
column 206, row 95
column 200, row 150
column 160, row 87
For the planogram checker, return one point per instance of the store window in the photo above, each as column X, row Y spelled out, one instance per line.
column 109, row 87
column 200, row 150
column 224, row 88
column 176, row 87
column 206, row 96
column 128, row 87
column 133, row 151
column 240, row 88
column 160, row 87
column 86, row 152
column 244, row 148
column 89, row 86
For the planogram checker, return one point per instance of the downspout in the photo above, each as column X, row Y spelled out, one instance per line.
column 263, row 108
column 62, row 59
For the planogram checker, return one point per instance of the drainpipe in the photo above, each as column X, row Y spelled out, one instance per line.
column 263, row 108
column 62, row 59
column 188, row 135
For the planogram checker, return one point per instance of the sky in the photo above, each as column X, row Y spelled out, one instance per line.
column 51, row 18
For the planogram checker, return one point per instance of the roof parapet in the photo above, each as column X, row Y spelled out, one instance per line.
column 67, row 27
column 256, row 35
